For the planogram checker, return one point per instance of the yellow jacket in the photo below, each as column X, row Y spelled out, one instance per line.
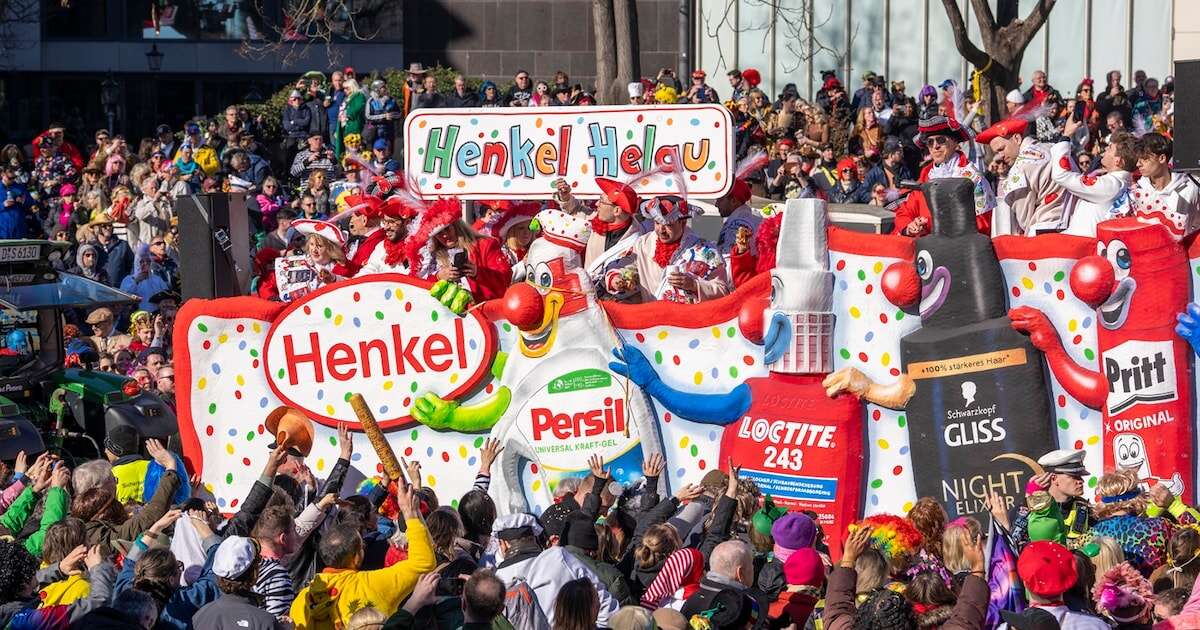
column 205, row 157
column 68, row 591
column 335, row 594
column 131, row 478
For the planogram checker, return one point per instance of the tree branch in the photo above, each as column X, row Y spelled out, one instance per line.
column 962, row 40
column 983, row 15
column 1029, row 27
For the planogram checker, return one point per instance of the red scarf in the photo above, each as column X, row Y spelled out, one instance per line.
column 602, row 227
column 393, row 252
column 663, row 252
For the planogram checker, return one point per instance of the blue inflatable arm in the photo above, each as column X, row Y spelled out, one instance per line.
column 1189, row 326
column 720, row 409
column 154, row 473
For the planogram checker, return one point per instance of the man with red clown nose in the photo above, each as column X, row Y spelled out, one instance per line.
column 1028, row 199
column 1138, row 283
column 671, row 263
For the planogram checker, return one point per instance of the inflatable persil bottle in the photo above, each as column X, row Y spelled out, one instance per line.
column 566, row 404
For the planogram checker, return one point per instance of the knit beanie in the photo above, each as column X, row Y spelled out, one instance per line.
column 791, row 532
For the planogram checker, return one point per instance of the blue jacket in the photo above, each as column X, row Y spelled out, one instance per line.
column 13, row 222
column 118, row 260
column 334, row 109
column 184, row 602
column 297, row 121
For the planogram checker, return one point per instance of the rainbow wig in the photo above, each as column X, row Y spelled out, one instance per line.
column 893, row 536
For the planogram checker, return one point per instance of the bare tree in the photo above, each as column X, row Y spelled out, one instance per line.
column 16, row 18
column 628, row 48
column 793, row 23
column 1005, row 38
column 605, row 30
column 314, row 23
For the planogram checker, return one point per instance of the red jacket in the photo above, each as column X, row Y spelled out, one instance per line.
column 493, row 274
column 915, row 206
column 66, row 149
column 365, row 247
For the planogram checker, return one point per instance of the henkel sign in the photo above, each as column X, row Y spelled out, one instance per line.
column 379, row 333
column 520, row 153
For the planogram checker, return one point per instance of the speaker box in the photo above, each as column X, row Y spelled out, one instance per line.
column 214, row 246
column 1187, row 115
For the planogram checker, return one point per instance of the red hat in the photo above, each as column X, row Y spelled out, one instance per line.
column 432, row 220
column 752, row 77
column 500, row 224
column 698, row 74
column 396, row 208
column 939, row 125
column 366, row 205
column 325, row 229
column 1047, row 568
column 619, row 194
column 786, row 142
column 647, row 86
column 348, row 71
column 740, row 191
column 846, row 163
column 1002, row 129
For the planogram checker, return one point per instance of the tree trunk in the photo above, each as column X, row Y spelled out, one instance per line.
column 606, row 56
column 629, row 63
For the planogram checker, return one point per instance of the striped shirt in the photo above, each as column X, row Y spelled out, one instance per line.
column 275, row 585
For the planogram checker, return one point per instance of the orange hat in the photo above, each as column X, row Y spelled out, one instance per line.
column 698, row 74
column 1002, row 129
column 291, row 428
column 845, row 163
column 1047, row 568
column 619, row 194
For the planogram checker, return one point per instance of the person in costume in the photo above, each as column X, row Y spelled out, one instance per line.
column 1055, row 508
column 1029, row 199
column 1048, row 571
column 735, row 208
column 512, row 229
column 1098, row 197
column 612, row 222
column 388, row 256
column 671, row 263
column 366, row 211
column 942, row 136
column 324, row 247
column 442, row 247
column 1160, row 195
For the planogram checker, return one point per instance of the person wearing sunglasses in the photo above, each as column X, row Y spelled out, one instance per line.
column 941, row 136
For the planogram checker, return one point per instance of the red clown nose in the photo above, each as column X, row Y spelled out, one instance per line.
column 901, row 285
column 1092, row 280
column 523, row 306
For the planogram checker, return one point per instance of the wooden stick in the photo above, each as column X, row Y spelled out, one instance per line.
column 379, row 442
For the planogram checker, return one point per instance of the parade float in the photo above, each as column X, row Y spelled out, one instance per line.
column 862, row 372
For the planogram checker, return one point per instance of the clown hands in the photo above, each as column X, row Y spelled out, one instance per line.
column 452, row 295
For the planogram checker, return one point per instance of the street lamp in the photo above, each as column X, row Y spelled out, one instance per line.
column 109, row 95
column 154, row 58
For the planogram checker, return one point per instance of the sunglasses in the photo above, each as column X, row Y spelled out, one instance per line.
column 937, row 141
column 167, row 377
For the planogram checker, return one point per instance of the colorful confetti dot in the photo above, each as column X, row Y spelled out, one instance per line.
column 883, row 444
column 697, row 378
column 202, row 383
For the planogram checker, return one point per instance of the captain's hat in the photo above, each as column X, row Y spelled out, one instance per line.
column 1065, row 461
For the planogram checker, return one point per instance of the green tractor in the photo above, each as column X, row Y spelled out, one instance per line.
column 44, row 404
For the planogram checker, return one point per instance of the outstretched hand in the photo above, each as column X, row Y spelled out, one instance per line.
column 654, row 465
column 1189, row 326
column 596, row 464
column 488, row 453
column 631, row 363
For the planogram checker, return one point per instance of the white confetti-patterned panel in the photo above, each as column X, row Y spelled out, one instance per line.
column 867, row 336
column 1037, row 272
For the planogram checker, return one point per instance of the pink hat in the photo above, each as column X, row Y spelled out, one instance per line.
column 324, row 229
column 804, row 568
column 66, row 189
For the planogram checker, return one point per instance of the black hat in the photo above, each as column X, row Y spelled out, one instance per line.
column 1031, row 619
column 122, row 440
column 725, row 608
column 579, row 530
column 164, row 295
column 554, row 519
column 161, row 129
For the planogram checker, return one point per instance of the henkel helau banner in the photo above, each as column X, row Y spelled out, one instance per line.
column 553, row 398
column 517, row 153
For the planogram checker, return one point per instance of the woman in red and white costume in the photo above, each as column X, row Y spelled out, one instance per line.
column 324, row 246
column 434, row 240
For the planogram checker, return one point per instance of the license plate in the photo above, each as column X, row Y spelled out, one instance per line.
column 19, row 253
